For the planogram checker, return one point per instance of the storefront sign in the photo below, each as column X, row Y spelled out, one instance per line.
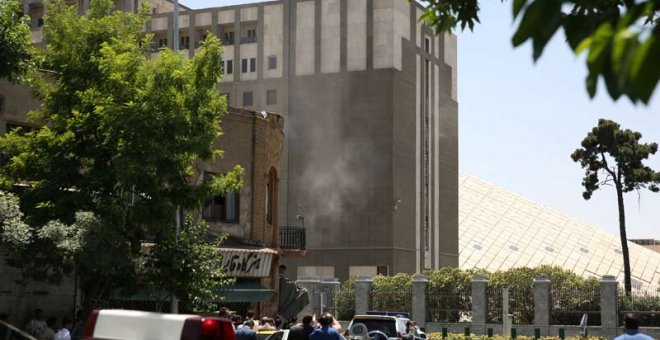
column 247, row 262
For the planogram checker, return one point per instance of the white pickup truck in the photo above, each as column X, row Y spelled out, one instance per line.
column 114, row 324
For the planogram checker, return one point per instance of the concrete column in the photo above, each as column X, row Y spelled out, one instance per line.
column 328, row 289
column 420, row 285
column 542, row 304
column 479, row 303
column 362, row 298
column 311, row 283
column 608, row 306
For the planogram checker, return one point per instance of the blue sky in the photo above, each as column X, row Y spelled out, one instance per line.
column 519, row 122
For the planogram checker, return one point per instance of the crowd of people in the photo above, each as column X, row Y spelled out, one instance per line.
column 55, row 329
column 325, row 328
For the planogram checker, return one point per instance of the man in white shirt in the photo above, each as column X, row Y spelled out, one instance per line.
column 64, row 333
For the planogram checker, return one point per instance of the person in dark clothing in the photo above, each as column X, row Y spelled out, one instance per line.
column 302, row 330
column 326, row 331
column 246, row 332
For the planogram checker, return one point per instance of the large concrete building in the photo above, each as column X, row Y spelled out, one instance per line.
column 368, row 96
column 369, row 99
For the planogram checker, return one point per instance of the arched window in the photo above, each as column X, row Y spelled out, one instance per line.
column 271, row 196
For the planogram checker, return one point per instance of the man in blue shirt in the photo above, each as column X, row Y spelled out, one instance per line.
column 246, row 332
column 632, row 330
column 326, row 331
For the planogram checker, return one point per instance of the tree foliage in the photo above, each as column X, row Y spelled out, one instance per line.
column 121, row 137
column 15, row 42
column 621, row 38
column 449, row 295
column 189, row 267
column 613, row 156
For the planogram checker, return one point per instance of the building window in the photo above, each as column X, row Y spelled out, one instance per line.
column 271, row 196
column 247, row 98
column 251, row 36
column 427, row 45
column 225, row 208
column 162, row 42
column 253, row 64
column 244, row 65
column 229, row 68
column 272, row 62
column 184, row 43
column 228, row 38
column 271, row 97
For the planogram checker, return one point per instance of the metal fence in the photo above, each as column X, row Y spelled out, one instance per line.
column 644, row 302
column 521, row 304
column 453, row 304
column 384, row 299
column 569, row 304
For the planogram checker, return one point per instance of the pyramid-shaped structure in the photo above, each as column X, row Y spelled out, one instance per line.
column 501, row 230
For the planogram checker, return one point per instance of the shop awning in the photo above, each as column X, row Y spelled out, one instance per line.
column 244, row 291
column 145, row 294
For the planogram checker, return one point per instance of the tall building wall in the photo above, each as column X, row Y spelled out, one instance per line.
column 369, row 99
column 368, row 94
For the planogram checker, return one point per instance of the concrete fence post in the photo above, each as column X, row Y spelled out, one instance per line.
column 608, row 306
column 311, row 283
column 420, row 284
column 362, row 294
column 479, row 303
column 542, row 304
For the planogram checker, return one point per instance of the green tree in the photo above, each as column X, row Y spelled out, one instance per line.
column 121, row 137
column 190, row 267
column 15, row 42
column 613, row 156
column 620, row 37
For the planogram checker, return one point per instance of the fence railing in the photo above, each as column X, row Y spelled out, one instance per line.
column 449, row 304
column 644, row 301
column 399, row 300
column 293, row 238
column 569, row 304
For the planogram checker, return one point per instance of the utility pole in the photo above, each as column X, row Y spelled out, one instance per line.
column 175, row 26
column 174, row 307
column 175, row 47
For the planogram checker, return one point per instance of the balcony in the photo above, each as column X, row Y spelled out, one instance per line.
column 249, row 39
column 293, row 239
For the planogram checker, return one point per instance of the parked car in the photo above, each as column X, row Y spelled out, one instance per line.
column 113, row 324
column 381, row 326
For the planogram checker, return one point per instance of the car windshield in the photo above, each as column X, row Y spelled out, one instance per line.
column 386, row 326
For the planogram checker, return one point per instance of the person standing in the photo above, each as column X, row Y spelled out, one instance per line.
column 326, row 331
column 631, row 326
column 302, row 330
column 65, row 332
column 76, row 332
column 37, row 325
column 246, row 332
column 49, row 332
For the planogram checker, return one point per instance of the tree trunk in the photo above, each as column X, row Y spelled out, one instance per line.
column 624, row 240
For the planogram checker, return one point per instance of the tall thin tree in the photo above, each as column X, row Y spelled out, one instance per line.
column 613, row 156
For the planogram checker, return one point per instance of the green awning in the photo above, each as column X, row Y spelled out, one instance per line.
column 244, row 291
column 137, row 295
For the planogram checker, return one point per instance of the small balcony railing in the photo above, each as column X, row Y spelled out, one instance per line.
column 293, row 238
column 249, row 39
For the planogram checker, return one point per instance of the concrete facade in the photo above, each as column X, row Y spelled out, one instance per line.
column 368, row 93
column 369, row 99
